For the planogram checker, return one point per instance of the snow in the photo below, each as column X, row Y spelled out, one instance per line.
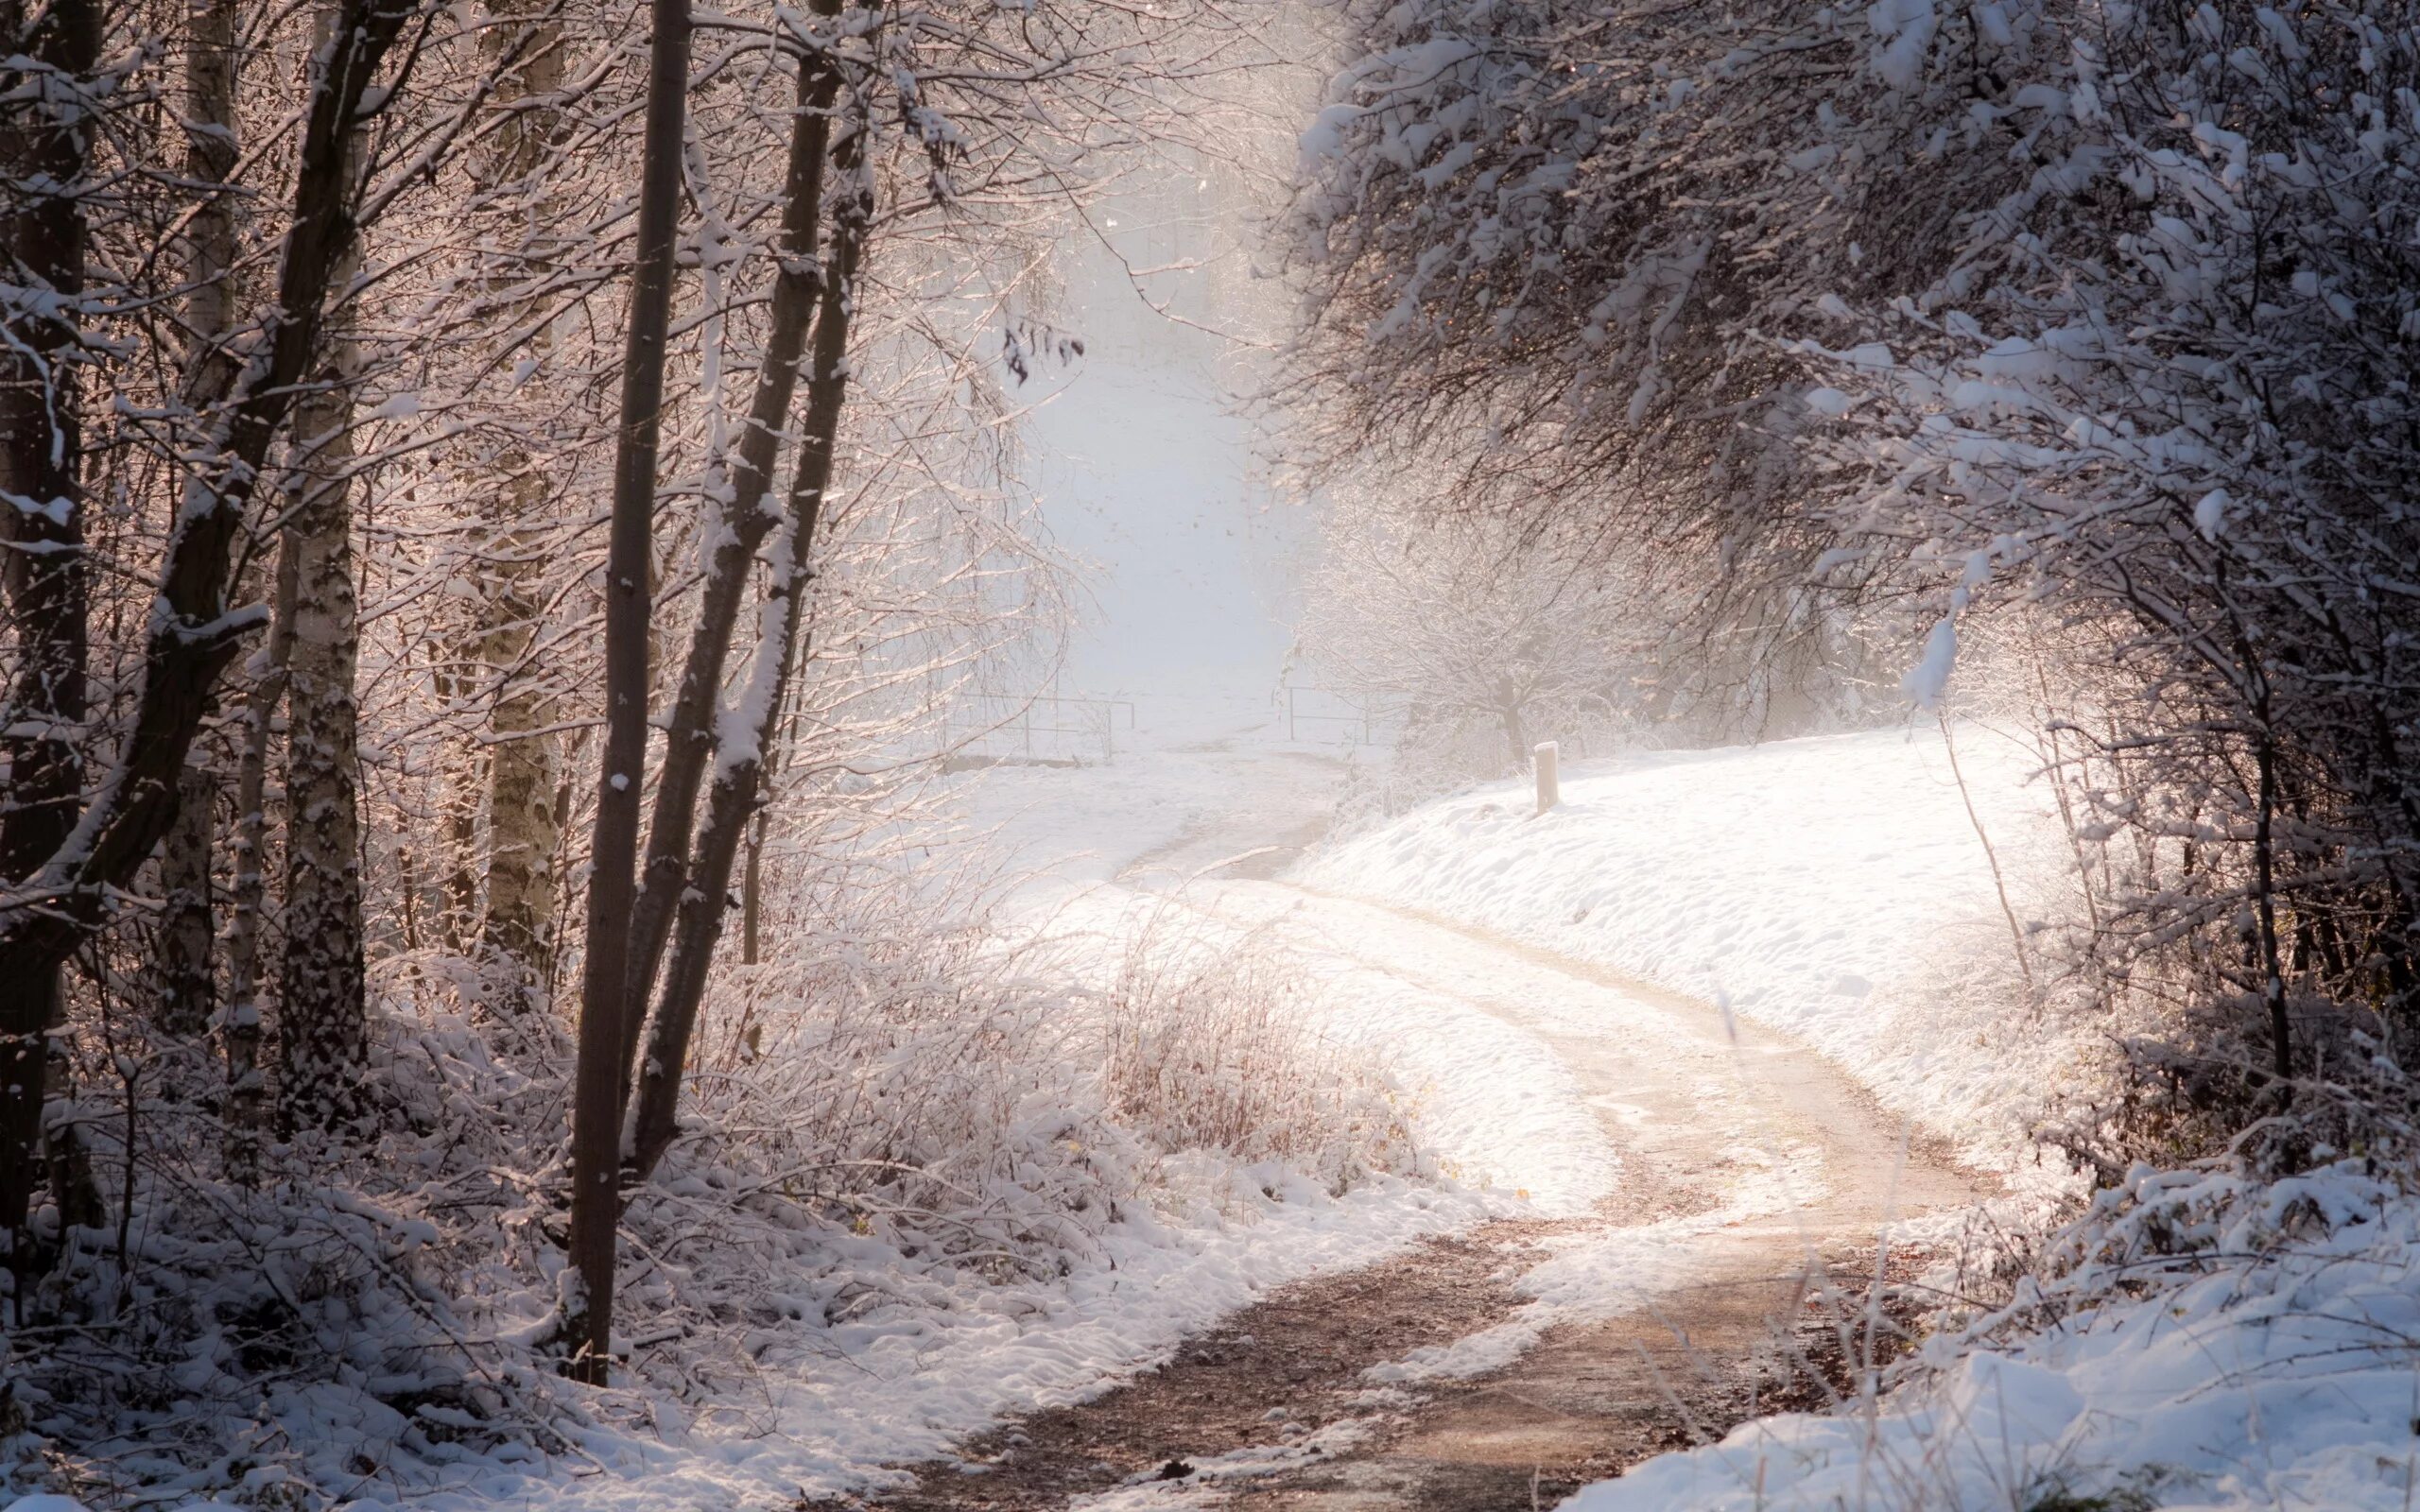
column 1198, row 1488
column 1831, row 887
column 2212, row 1343
column 909, row 1379
column 1595, row 1274
column 943, row 1354
column 2254, row 1374
column 1905, row 28
column 943, row 1357
column 927, row 1353
column 1211, row 783
column 1928, row 680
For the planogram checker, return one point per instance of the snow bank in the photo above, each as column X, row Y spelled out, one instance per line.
column 926, row 1356
column 1833, row 888
column 915, row 1193
column 2220, row 1345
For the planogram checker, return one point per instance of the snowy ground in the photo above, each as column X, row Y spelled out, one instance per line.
column 2222, row 1345
column 940, row 1354
column 1530, row 1073
column 2258, row 1348
column 1833, row 888
column 907, row 1381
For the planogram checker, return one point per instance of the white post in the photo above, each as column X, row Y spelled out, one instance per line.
column 1549, row 789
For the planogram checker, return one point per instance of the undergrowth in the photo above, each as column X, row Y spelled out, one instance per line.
column 902, row 1113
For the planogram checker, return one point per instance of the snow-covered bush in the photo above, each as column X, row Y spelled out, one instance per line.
column 1207, row 1045
column 903, row 1105
column 2202, row 1338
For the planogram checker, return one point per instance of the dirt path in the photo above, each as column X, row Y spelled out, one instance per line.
column 1754, row 1181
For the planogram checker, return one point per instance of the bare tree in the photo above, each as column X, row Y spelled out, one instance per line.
column 1461, row 619
column 44, row 143
column 606, row 1010
column 323, row 1031
column 740, row 754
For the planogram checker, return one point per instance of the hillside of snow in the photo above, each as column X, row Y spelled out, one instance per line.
column 2200, row 1341
column 1832, row 887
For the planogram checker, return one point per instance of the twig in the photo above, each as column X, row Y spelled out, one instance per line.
column 1999, row 883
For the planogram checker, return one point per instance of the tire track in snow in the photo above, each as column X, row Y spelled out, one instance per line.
column 1749, row 1166
column 1744, row 1165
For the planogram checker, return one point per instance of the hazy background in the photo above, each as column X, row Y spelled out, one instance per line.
column 1144, row 459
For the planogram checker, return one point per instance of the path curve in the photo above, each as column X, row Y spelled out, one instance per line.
column 1558, row 1352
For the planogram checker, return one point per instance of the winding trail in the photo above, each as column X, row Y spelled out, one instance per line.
column 1504, row 1368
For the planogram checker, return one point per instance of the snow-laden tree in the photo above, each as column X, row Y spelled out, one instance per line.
column 138, row 439
column 312, row 422
column 2097, row 319
column 2161, row 394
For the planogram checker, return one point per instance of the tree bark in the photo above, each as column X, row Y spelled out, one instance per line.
column 465, row 786
column 522, row 837
column 323, row 1019
column 595, row 1205
column 2264, row 850
column 44, row 146
column 189, row 990
column 246, row 1087
column 691, row 735
column 752, row 892
column 193, row 633
column 187, row 983
column 733, row 800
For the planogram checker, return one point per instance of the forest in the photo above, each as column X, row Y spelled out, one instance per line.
column 652, row 851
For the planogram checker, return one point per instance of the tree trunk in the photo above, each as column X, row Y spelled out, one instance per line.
column 691, row 736
column 463, row 853
column 733, row 800
column 596, row 1206
column 323, row 1022
column 323, row 1025
column 464, row 778
column 1516, row 735
column 752, row 892
column 189, row 990
column 522, row 837
column 2264, row 850
column 247, row 1088
column 43, row 144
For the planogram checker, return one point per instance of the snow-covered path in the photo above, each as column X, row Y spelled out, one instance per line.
column 1699, row 1164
